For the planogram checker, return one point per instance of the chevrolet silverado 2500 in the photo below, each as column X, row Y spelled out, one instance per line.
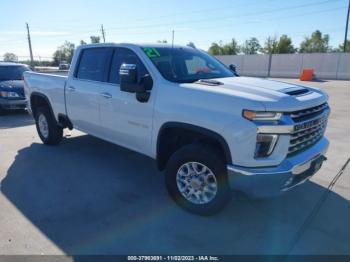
column 208, row 129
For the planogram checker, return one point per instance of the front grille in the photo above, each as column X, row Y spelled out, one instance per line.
column 305, row 114
column 308, row 133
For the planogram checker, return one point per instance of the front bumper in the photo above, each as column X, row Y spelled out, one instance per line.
column 272, row 181
column 13, row 103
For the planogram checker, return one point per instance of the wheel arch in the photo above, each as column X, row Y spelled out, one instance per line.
column 174, row 135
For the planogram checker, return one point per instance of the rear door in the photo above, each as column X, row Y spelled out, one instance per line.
column 83, row 90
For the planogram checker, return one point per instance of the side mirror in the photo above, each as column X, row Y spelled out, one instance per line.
column 128, row 78
column 233, row 68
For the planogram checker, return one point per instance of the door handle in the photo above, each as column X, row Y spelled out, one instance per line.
column 106, row 95
column 71, row 88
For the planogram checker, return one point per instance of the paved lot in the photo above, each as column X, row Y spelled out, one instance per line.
column 87, row 196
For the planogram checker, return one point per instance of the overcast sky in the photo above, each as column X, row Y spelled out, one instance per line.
column 199, row 21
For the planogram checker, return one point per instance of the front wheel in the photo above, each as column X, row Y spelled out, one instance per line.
column 196, row 178
column 49, row 132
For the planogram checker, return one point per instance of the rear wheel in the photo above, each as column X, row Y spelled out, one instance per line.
column 49, row 132
column 196, row 178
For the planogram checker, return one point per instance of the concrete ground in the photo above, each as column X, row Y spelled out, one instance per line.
column 87, row 196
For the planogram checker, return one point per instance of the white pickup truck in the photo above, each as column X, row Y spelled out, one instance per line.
column 210, row 130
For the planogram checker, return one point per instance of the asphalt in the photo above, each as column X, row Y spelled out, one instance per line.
column 87, row 196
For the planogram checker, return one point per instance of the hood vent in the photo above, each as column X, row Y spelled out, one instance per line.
column 209, row 82
column 296, row 91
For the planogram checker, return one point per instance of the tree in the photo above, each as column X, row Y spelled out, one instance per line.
column 10, row 57
column 271, row 45
column 82, row 42
column 95, row 39
column 162, row 41
column 251, row 46
column 317, row 43
column 215, row 49
column 191, row 44
column 281, row 46
column 285, row 45
column 231, row 48
column 341, row 47
column 64, row 53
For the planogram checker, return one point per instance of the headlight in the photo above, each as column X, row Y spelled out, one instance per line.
column 261, row 115
column 8, row 94
column 265, row 145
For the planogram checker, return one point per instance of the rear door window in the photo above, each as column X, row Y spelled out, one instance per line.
column 94, row 64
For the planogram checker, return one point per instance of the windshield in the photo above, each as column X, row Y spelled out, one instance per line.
column 12, row 72
column 186, row 65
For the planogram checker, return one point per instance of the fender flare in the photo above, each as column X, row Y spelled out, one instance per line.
column 204, row 131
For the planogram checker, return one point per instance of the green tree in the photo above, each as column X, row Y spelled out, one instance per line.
column 191, row 44
column 271, row 45
column 82, row 42
column 10, row 57
column 251, row 46
column 95, row 39
column 317, row 43
column 231, row 48
column 215, row 49
column 285, row 45
column 281, row 46
column 64, row 52
column 341, row 47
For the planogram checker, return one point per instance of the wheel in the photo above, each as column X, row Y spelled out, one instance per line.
column 196, row 178
column 49, row 132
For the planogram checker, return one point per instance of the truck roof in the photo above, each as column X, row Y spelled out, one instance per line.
column 157, row 45
column 11, row 64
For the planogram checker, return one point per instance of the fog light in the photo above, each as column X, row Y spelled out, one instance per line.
column 265, row 145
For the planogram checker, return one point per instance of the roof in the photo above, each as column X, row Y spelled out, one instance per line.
column 156, row 45
column 11, row 64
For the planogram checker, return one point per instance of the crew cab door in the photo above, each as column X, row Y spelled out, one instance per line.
column 125, row 120
column 83, row 90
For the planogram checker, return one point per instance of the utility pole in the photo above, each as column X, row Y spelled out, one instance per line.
column 346, row 27
column 30, row 48
column 103, row 34
column 173, row 36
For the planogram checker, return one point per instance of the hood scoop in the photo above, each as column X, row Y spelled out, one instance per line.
column 296, row 91
column 209, row 82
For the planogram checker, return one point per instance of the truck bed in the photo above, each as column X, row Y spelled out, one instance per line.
column 50, row 85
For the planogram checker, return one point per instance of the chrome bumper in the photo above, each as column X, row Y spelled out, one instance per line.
column 269, row 181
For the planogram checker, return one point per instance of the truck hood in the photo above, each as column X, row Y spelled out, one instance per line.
column 274, row 95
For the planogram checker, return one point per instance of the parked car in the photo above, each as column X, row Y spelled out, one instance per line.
column 11, row 86
column 64, row 65
column 209, row 130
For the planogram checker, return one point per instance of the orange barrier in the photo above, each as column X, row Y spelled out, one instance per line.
column 307, row 74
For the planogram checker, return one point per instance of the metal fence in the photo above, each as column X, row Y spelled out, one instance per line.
column 326, row 65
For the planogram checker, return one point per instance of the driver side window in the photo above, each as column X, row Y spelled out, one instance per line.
column 125, row 56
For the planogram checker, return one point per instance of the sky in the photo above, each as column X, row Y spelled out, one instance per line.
column 199, row 21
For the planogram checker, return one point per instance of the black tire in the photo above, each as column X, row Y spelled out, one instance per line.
column 55, row 132
column 212, row 159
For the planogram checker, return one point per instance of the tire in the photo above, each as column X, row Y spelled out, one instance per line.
column 52, row 134
column 199, row 155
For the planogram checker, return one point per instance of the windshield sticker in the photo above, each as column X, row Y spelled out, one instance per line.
column 151, row 52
